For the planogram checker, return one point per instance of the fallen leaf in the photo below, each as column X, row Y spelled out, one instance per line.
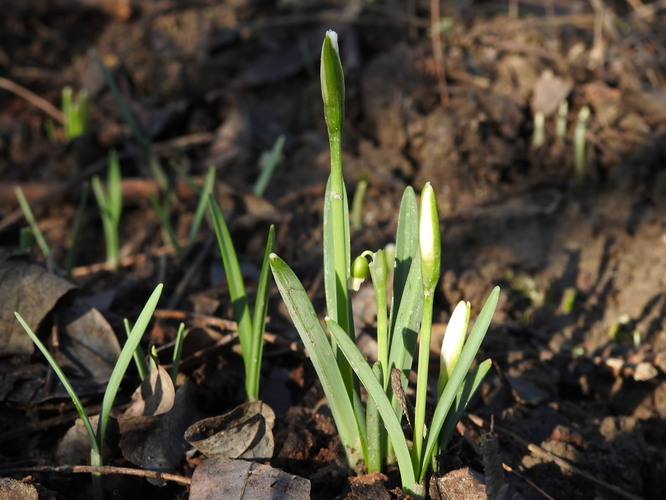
column 32, row 291
column 74, row 447
column 152, row 427
column 87, row 344
column 225, row 479
column 549, row 91
column 244, row 432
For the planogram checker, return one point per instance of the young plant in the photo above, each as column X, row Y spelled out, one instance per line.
column 250, row 327
column 267, row 166
column 580, row 145
column 97, row 437
column 110, row 202
column 153, row 163
column 338, row 362
column 75, row 112
column 32, row 222
column 38, row 237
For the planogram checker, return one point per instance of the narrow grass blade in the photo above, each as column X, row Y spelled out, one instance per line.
column 336, row 276
column 376, row 392
column 139, row 356
column 464, row 395
column 200, row 211
column 457, row 376
column 66, row 99
column 177, row 352
column 357, row 203
column 155, row 168
column 123, row 361
column 235, row 280
column 373, row 427
column 32, row 222
column 407, row 301
column 163, row 215
column 319, row 348
column 65, row 382
column 259, row 318
column 114, row 187
column 76, row 230
column 268, row 167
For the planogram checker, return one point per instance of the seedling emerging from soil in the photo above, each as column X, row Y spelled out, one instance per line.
column 97, row 437
column 580, row 144
column 110, row 202
column 75, row 112
column 250, row 328
column 339, row 363
column 267, row 166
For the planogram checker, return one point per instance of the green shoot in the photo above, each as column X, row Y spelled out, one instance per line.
column 139, row 356
column 110, row 202
column 75, row 112
column 250, row 327
column 163, row 213
column 336, row 213
column 26, row 240
column 177, row 352
column 204, row 193
column 32, row 222
column 267, row 166
column 97, row 437
column 561, row 123
column 154, row 165
column 357, row 203
column 580, row 145
column 76, row 231
column 538, row 132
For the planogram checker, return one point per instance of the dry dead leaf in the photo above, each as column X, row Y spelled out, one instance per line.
column 225, row 479
column 152, row 427
column 87, row 344
column 32, row 291
column 549, row 91
column 244, row 432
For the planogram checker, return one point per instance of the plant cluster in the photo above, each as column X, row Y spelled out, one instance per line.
column 374, row 432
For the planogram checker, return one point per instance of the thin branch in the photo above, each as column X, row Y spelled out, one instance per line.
column 33, row 99
column 104, row 469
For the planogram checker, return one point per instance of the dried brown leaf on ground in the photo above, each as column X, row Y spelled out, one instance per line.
column 152, row 426
column 30, row 290
column 244, row 432
column 224, row 479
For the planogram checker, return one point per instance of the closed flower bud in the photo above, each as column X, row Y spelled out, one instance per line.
column 359, row 272
column 453, row 342
column 332, row 83
column 429, row 240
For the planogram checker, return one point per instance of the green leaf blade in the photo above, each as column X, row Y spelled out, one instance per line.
column 323, row 359
column 126, row 355
column 374, row 388
column 457, row 376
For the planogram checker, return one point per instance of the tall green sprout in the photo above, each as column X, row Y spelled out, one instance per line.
column 251, row 325
column 110, row 202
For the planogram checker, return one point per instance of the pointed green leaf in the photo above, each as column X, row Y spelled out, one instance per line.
column 319, row 348
column 374, row 388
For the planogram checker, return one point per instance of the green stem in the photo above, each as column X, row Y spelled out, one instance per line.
column 340, row 246
column 422, row 380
